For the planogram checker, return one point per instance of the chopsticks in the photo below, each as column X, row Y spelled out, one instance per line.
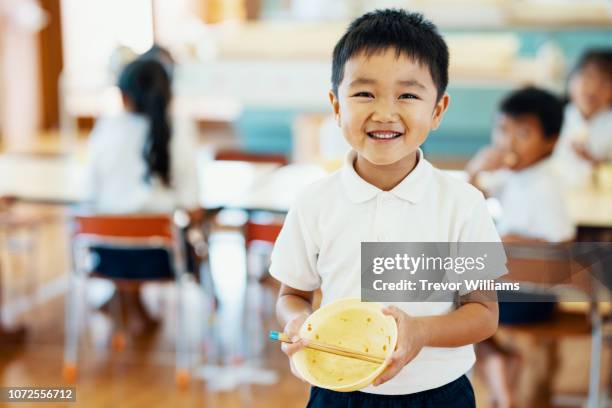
column 328, row 348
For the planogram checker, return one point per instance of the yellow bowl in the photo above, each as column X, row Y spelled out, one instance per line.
column 348, row 323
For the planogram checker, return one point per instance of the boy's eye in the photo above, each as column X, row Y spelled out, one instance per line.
column 363, row 94
column 408, row 96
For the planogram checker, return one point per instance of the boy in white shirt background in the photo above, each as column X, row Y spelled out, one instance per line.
column 527, row 184
column 389, row 77
column 522, row 176
column 586, row 136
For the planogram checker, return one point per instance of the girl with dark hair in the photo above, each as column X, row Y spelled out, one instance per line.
column 138, row 164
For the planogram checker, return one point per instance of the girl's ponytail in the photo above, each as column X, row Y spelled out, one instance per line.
column 146, row 85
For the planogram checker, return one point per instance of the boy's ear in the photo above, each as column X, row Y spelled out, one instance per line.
column 333, row 99
column 439, row 110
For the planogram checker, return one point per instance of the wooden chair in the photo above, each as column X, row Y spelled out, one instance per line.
column 156, row 233
column 544, row 272
column 242, row 155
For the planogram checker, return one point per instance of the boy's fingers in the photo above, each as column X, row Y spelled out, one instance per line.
column 291, row 348
column 390, row 372
column 393, row 311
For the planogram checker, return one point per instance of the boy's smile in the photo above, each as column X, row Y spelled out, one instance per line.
column 386, row 106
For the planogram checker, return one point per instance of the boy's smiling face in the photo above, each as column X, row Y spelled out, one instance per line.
column 386, row 106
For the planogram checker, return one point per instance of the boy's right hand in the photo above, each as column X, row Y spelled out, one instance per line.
column 489, row 158
column 292, row 330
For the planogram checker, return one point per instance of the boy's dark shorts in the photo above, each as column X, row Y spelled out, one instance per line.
column 457, row 394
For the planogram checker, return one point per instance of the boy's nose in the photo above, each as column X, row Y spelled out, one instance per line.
column 385, row 112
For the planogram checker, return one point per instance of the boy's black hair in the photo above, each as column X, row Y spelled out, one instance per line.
column 600, row 57
column 539, row 103
column 408, row 33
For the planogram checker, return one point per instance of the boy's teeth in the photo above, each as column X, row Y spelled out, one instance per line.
column 384, row 135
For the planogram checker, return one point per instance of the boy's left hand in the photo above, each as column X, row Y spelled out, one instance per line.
column 411, row 338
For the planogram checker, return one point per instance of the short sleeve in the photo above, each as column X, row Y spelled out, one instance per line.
column 479, row 226
column 294, row 255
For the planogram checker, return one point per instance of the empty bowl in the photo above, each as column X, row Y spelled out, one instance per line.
column 352, row 324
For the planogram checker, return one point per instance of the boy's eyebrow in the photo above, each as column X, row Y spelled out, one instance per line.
column 362, row 81
column 370, row 81
column 412, row 82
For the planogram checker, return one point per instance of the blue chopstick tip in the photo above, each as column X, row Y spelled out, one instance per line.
column 274, row 335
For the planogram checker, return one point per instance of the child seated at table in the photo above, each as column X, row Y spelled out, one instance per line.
column 533, row 207
column 586, row 136
column 140, row 164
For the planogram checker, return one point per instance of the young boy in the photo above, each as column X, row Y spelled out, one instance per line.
column 533, row 207
column 526, row 130
column 389, row 77
column 586, row 136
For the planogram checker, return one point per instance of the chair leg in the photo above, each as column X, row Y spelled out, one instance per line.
column 183, row 376
column 209, row 336
column 118, row 339
column 595, row 367
column 75, row 305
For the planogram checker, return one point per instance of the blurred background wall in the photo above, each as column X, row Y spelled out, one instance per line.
column 247, row 70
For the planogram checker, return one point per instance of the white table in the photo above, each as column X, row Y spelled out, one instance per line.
column 61, row 179
column 49, row 179
column 590, row 207
column 251, row 186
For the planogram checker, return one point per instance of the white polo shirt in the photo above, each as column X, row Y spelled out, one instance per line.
column 533, row 204
column 116, row 174
column 319, row 246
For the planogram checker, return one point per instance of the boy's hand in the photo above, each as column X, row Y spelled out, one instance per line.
column 411, row 338
column 487, row 159
column 292, row 329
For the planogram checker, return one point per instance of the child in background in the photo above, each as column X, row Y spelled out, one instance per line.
column 586, row 136
column 533, row 207
column 137, row 164
column 528, row 187
column 389, row 79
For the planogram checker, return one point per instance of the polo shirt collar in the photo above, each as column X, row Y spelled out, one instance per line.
column 411, row 188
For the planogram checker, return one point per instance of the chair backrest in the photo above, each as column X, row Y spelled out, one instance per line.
column 135, row 227
column 547, row 266
column 254, row 231
column 117, row 239
column 241, row 155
